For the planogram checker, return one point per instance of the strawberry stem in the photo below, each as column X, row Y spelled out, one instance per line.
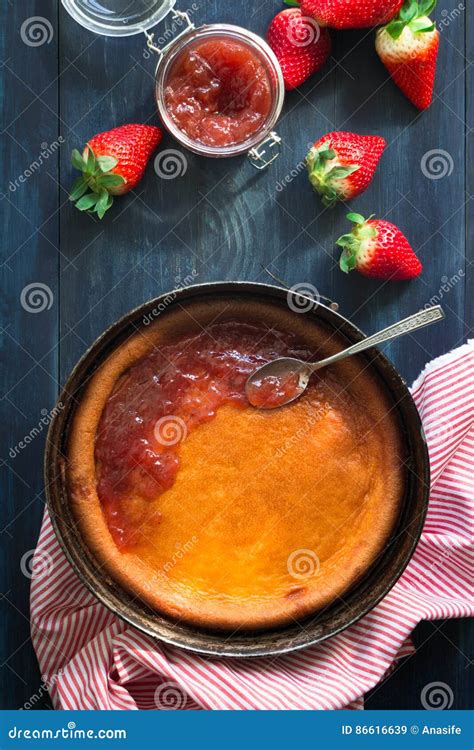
column 414, row 14
column 326, row 179
column 351, row 242
column 91, row 191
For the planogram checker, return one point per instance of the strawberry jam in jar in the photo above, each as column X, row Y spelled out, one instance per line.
column 220, row 91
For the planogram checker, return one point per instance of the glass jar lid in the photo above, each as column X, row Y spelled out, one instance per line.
column 118, row 17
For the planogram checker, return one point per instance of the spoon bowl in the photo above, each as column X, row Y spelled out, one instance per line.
column 283, row 380
column 277, row 383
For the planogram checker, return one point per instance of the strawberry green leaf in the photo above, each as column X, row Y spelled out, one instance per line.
column 346, row 240
column 427, row 7
column 87, row 202
column 91, row 162
column 338, row 173
column 409, row 11
column 356, row 218
column 419, row 26
column 78, row 189
column 106, row 163
column 324, row 177
column 347, row 261
column 326, row 154
column 103, row 203
column 366, row 232
column 395, row 29
column 330, row 197
column 110, row 180
column 77, row 160
column 350, row 245
column 412, row 14
column 292, row 3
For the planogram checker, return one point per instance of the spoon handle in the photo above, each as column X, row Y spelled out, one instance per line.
column 413, row 323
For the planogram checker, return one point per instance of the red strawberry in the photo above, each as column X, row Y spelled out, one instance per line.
column 300, row 45
column 378, row 249
column 350, row 14
column 408, row 47
column 112, row 163
column 342, row 165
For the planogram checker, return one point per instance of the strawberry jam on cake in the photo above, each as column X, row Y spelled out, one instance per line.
column 217, row 513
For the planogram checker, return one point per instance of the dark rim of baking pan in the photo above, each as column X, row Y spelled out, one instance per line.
column 342, row 613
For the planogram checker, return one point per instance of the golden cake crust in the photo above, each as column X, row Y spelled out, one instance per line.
column 273, row 515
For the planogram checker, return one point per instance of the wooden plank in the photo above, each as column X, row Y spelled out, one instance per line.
column 469, row 280
column 430, row 211
column 222, row 221
column 442, row 656
column 211, row 221
column 437, row 209
column 29, row 333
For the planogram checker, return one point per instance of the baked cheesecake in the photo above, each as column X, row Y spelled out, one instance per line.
column 214, row 512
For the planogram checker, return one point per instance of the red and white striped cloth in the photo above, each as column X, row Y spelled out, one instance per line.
column 90, row 659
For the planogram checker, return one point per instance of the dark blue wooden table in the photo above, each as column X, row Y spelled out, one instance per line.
column 220, row 220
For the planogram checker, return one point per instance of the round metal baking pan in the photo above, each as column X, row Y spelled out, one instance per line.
column 359, row 600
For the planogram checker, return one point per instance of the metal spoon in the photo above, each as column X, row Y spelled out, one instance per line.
column 279, row 382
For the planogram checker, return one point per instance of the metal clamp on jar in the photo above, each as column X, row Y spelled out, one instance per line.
column 219, row 88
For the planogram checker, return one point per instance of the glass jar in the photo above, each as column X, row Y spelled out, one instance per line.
column 124, row 18
column 263, row 144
